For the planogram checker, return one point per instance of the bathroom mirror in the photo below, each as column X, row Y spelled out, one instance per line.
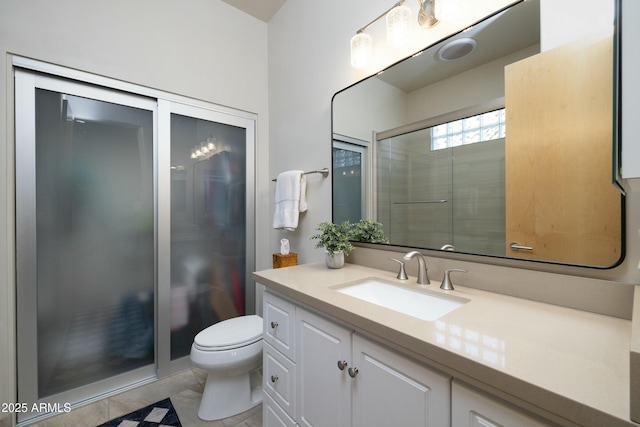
column 491, row 142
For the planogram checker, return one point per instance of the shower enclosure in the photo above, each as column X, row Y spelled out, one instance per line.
column 444, row 184
column 134, row 232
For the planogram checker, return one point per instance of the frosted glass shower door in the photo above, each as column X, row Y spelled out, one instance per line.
column 211, row 221
column 85, row 239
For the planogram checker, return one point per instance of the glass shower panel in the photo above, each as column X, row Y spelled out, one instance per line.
column 478, row 194
column 95, row 240
column 208, row 226
column 413, row 190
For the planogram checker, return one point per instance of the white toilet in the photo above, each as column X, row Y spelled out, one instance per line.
column 231, row 353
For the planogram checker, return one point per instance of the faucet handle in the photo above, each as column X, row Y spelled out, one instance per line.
column 446, row 280
column 402, row 274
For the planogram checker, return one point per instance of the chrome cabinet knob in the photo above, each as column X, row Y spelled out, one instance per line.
column 274, row 378
column 353, row 372
column 274, row 325
column 342, row 364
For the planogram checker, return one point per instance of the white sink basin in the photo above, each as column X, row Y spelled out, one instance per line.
column 418, row 303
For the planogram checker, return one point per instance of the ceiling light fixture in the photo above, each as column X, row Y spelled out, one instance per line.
column 398, row 19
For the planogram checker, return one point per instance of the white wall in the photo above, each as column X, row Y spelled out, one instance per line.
column 203, row 49
column 371, row 106
column 461, row 90
column 559, row 26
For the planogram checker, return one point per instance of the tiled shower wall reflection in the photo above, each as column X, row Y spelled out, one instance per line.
column 430, row 198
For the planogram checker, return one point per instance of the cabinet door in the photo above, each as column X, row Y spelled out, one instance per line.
column 323, row 389
column 558, row 156
column 391, row 390
column 472, row 408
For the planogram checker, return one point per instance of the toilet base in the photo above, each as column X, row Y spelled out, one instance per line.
column 225, row 396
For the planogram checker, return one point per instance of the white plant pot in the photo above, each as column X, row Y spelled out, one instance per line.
column 334, row 261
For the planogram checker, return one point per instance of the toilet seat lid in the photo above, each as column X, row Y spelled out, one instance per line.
column 231, row 333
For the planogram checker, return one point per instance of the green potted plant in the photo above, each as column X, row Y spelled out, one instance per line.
column 334, row 238
column 369, row 231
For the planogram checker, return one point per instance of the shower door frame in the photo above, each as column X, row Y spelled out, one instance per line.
column 164, row 104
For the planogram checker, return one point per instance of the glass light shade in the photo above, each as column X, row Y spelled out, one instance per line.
column 398, row 26
column 361, row 50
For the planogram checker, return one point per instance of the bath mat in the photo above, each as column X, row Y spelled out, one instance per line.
column 159, row 414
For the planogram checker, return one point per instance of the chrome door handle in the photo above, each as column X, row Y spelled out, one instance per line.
column 514, row 246
column 342, row 364
column 353, row 372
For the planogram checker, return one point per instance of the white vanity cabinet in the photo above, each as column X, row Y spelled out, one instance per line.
column 473, row 408
column 341, row 378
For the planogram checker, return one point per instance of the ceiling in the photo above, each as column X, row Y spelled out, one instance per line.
column 426, row 69
column 261, row 9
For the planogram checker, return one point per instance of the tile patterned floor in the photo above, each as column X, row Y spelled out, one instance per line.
column 158, row 414
column 184, row 389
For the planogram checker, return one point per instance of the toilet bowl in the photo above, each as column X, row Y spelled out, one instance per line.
column 231, row 353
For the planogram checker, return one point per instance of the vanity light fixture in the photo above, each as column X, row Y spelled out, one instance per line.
column 398, row 19
column 204, row 149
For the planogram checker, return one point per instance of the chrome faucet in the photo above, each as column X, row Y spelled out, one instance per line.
column 423, row 277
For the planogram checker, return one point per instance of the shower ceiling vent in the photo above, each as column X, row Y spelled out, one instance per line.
column 457, row 49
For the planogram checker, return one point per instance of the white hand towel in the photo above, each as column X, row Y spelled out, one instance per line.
column 291, row 191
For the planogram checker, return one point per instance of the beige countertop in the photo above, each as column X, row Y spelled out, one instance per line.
column 569, row 366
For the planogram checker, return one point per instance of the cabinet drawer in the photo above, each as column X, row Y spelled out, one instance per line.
column 273, row 415
column 279, row 321
column 279, row 378
column 471, row 408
